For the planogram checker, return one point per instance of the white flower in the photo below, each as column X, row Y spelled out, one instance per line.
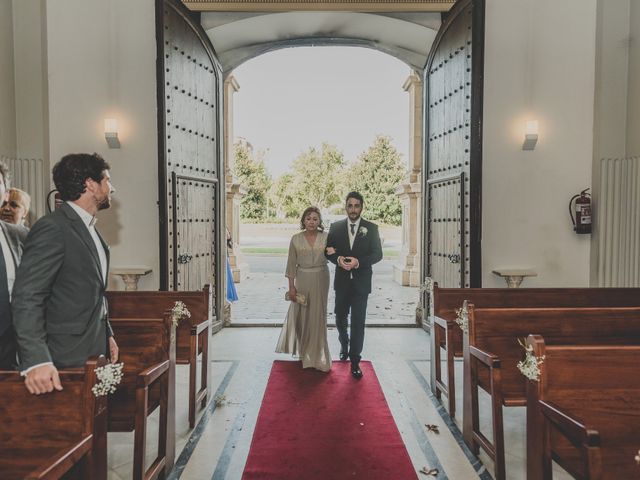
column 637, row 458
column 427, row 286
column 109, row 377
column 462, row 317
column 530, row 366
column 178, row 312
column 363, row 231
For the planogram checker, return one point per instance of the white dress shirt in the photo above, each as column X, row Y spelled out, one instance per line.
column 8, row 260
column 90, row 221
column 352, row 237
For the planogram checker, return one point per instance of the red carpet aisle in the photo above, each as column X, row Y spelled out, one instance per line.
column 317, row 426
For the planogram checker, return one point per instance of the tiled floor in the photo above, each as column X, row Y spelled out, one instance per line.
column 241, row 360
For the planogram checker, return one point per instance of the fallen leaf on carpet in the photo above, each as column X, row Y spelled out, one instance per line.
column 432, row 428
column 430, row 472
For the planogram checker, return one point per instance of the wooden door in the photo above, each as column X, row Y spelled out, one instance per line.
column 452, row 168
column 190, row 151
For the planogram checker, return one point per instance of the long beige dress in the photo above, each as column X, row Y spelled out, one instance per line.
column 304, row 333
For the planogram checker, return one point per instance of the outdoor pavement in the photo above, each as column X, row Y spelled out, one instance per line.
column 261, row 291
column 261, row 294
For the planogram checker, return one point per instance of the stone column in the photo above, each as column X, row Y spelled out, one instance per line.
column 234, row 191
column 407, row 271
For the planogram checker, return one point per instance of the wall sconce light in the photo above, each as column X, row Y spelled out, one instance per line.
column 530, row 135
column 111, row 132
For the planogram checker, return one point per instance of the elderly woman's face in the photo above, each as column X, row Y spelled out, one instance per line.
column 13, row 211
column 311, row 221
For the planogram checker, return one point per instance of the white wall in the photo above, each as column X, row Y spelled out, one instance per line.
column 7, row 89
column 633, row 112
column 539, row 63
column 101, row 63
column 30, row 79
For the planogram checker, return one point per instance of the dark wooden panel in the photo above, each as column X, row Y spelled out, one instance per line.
column 189, row 122
column 453, row 149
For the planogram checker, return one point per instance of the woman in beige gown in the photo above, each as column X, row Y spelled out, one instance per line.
column 304, row 333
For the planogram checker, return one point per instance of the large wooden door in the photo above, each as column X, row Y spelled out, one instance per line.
column 452, row 166
column 190, row 151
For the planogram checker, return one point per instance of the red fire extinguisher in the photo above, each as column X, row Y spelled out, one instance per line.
column 582, row 210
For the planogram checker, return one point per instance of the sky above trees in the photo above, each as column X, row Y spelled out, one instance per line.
column 296, row 98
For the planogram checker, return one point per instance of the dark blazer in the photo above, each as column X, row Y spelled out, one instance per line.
column 58, row 296
column 366, row 248
column 15, row 235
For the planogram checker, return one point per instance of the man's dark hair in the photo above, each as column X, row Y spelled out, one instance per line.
column 355, row 195
column 4, row 171
column 71, row 172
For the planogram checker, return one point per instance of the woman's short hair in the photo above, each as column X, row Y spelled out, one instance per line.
column 307, row 211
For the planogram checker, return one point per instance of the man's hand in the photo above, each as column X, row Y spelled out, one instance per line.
column 347, row 263
column 354, row 262
column 113, row 350
column 43, row 379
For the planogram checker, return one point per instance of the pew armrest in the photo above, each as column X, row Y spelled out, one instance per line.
column 489, row 359
column 61, row 462
column 441, row 322
column 578, row 434
column 199, row 328
column 151, row 374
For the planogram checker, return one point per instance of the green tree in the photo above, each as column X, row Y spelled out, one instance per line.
column 376, row 175
column 254, row 177
column 316, row 178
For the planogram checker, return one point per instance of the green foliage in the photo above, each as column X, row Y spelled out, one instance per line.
column 376, row 175
column 253, row 176
column 316, row 179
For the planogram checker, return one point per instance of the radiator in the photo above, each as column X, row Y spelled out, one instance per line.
column 28, row 174
column 618, row 222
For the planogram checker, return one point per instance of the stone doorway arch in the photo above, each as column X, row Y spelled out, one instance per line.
column 240, row 31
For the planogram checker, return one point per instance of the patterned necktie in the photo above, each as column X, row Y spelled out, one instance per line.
column 5, row 307
column 353, row 229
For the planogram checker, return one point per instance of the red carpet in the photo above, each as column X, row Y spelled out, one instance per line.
column 319, row 426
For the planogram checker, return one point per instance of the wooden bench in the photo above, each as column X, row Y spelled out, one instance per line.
column 192, row 334
column 57, row 435
column 584, row 412
column 492, row 351
column 147, row 349
column 446, row 333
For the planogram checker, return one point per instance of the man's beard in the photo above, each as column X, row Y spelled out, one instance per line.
column 104, row 204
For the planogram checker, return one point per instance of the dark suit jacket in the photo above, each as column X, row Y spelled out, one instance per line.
column 15, row 235
column 366, row 248
column 58, row 296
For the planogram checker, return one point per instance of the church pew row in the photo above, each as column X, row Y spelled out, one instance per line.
column 492, row 350
column 57, row 435
column 583, row 412
column 447, row 335
column 148, row 351
column 192, row 334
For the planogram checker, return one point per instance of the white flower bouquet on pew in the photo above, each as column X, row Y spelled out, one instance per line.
column 178, row 312
column 109, row 377
column 530, row 366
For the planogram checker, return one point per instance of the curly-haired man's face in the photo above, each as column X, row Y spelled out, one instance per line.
column 103, row 192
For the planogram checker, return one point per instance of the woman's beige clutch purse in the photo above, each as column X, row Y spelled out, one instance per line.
column 300, row 298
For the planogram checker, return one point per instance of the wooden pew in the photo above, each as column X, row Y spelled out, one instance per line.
column 446, row 334
column 492, row 351
column 57, row 435
column 148, row 351
column 192, row 335
column 584, row 412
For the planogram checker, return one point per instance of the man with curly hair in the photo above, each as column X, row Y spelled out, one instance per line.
column 59, row 309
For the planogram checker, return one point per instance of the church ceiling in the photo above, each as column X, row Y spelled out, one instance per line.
column 239, row 34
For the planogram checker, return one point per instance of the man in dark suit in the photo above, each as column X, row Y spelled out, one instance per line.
column 354, row 246
column 11, row 240
column 59, row 309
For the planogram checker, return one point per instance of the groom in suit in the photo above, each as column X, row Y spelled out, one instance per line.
column 59, row 308
column 11, row 240
column 355, row 246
